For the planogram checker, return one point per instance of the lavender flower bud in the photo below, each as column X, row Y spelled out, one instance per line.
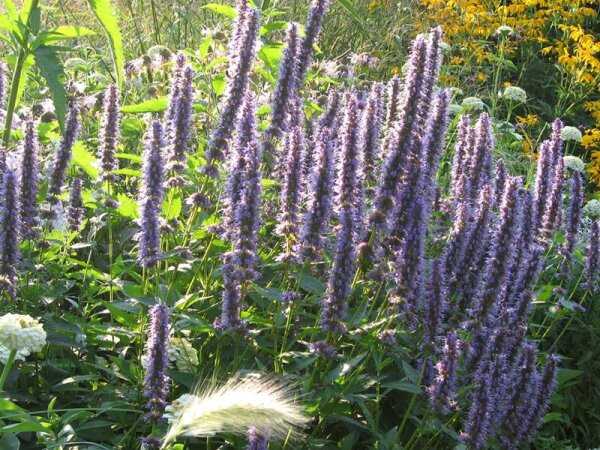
column 62, row 157
column 10, row 230
column 443, row 391
column 316, row 218
column 237, row 83
column 288, row 219
column 29, row 180
column 573, row 222
column 156, row 381
column 592, row 262
column 75, row 206
column 312, row 29
column 109, row 133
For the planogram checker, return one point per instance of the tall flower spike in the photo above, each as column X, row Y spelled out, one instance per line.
column 481, row 166
column 75, row 206
column 179, row 64
column 314, row 23
column 257, row 440
column 247, row 215
column 287, row 82
column 315, row 222
column 393, row 100
column 237, row 83
column 552, row 210
column 156, row 381
column 592, row 261
column 460, row 158
column 150, row 198
column 548, row 164
column 231, row 302
column 573, row 222
column 29, row 180
column 288, row 219
column 443, row 391
column 500, row 180
column 543, row 181
column 180, row 126
column 109, row 133
column 10, row 230
column 370, row 130
column 62, row 157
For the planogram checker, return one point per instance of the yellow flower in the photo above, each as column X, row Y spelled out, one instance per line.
column 481, row 77
column 529, row 120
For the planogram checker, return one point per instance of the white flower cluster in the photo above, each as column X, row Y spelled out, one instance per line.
column 183, row 355
column 571, row 134
column 515, row 94
column 21, row 333
column 4, row 353
column 504, row 30
column 592, row 209
column 574, row 163
column 473, row 103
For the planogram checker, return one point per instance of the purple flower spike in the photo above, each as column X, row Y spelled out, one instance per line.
column 481, row 165
column 370, row 130
column 552, row 211
column 257, row 440
column 349, row 170
column 442, row 393
column 320, row 192
column 10, row 230
column 573, row 222
column 179, row 127
column 288, row 219
column 109, row 133
column 393, row 100
column 546, row 387
column 75, row 206
column 312, row 29
column 29, row 180
column 286, row 86
column 62, row 157
column 156, row 381
column 592, row 261
column 231, row 303
column 237, row 83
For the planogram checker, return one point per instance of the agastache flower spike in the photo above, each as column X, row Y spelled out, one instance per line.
column 481, row 166
column 500, row 180
column 10, row 231
column 350, row 159
column 29, row 180
column 231, row 302
column 62, row 157
column 393, row 100
column 314, row 23
column 151, row 195
column 237, row 84
column 257, row 440
column 179, row 64
column 286, row 86
column 552, row 211
column 370, row 129
column 179, row 127
column 75, row 205
column 318, row 211
column 156, row 381
column 573, row 222
column 292, row 184
column 109, row 133
column 592, row 261
column 443, row 391
column 460, row 158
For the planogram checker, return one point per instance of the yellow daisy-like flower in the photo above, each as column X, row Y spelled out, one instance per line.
column 529, row 120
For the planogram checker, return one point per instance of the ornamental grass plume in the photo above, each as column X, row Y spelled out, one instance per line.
column 62, row 156
column 109, row 133
column 75, row 210
column 234, row 407
column 237, row 83
column 10, row 231
column 573, row 222
column 29, row 180
column 156, row 380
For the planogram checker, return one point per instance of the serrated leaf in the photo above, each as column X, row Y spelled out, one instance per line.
column 64, row 32
column 85, row 160
column 223, row 10
column 105, row 14
column 52, row 70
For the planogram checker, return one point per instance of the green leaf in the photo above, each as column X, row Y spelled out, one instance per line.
column 348, row 6
column 85, row 160
column 63, row 32
column 52, row 70
column 149, row 106
column 224, row 10
column 271, row 54
column 171, row 208
column 10, row 442
column 127, row 206
column 105, row 14
column 12, row 9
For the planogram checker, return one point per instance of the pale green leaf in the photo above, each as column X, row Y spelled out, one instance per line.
column 149, row 106
column 85, row 160
column 105, row 14
column 224, row 10
column 52, row 70
column 127, row 206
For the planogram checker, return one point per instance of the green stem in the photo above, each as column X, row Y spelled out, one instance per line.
column 412, row 400
column 12, row 99
column 7, row 367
